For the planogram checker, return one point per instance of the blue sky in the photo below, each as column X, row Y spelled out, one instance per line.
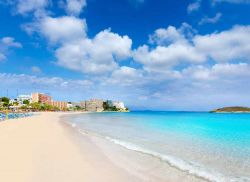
column 152, row 54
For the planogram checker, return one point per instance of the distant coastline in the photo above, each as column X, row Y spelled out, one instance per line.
column 235, row 109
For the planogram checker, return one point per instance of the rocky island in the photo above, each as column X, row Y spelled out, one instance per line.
column 236, row 109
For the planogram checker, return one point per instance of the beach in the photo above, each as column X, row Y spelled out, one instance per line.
column 43, row 148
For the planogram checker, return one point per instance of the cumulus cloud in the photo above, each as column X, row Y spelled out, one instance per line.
column 99, row 55
column 6, row 43
column 24, row 7
column 195, row 6
column 76, row 51
column 229, row 45
column 62, row 29
column 75, row 7
column 172, row 68
column 169, row 35
column 163, row 58
column 173, row 48
column 128, row 75
column 10, row 42
column 213, row 20
column 218, row 72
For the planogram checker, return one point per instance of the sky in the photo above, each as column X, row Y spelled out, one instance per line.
column 151, row 54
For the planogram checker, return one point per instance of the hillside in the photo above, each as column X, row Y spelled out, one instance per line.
column 232, row 109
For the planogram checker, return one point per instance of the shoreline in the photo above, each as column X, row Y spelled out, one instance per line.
column 43, row 148
column 144, row 165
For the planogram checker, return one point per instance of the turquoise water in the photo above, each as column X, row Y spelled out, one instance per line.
column 212, row 146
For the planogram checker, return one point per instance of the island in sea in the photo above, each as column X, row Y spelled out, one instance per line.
column 235, row 109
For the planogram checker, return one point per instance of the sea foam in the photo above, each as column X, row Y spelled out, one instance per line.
column 186, row 166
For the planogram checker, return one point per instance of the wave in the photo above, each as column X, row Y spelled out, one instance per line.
column 189, row 167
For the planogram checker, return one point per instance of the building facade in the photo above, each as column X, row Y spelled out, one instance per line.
column 59, row 104
column 94, row 105
column 83, row 105
column 22, row 98
column 39, row 97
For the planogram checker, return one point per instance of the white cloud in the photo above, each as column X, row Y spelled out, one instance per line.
column 217, row 72
column 213, row 20
column 230, row 45
column 10, row 42
column 62, row 29
column 25, row 7
column 75, row 7
column 174, row 48
column 2, row 57
column 163, row 58
column 171, row 35
column 6, row 43
column 166, row 36
column 195, row 6
column 126, row 76
column 36, row 70
column 76, row 51
column 96, row 56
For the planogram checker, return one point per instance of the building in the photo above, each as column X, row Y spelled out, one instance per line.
column 39, row 97
column 59, row 104
column 22, row 98
column 94, row 105
column 69, row 106
column 117, row 104
column 83, row 105
column 74, row 106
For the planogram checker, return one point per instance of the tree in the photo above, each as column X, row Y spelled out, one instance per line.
column 15, row 103
column 35, row 106
column 26, row 102
column 5, row 101
column 77, row 108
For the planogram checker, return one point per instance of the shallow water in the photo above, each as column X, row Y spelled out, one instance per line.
column 212, row 146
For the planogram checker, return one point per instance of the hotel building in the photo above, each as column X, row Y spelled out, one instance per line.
column 61, row 105
column 39, row 97
column 94, row 105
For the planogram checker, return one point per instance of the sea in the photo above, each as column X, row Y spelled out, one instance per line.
column 212, row 146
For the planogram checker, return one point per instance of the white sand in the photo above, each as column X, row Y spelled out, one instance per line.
column 39, row 149
column 42, row 149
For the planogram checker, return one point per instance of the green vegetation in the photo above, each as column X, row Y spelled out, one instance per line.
column 26, row 102
column 42, row 107
column 106, row 107
column 232, row 109
column 5, row 105
column 5, row 101
column 112, row 108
